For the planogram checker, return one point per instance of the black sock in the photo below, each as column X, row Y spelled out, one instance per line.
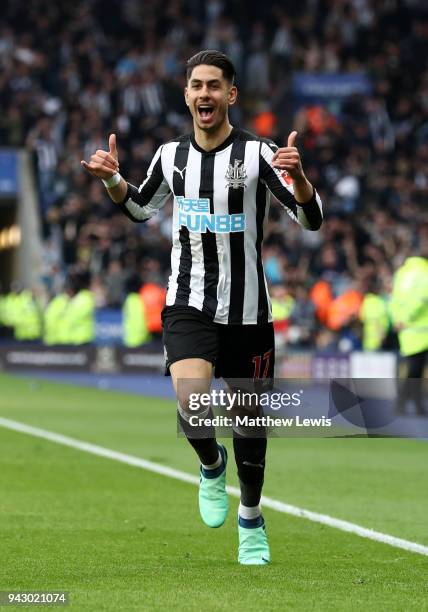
column 206, row 447
column 250, row 456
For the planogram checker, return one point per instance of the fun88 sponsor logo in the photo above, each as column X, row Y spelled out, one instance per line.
column 194, row 213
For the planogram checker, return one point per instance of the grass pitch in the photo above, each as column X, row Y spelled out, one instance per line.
column 121, row 538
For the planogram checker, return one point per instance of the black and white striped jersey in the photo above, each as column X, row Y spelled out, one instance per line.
column 221, row 204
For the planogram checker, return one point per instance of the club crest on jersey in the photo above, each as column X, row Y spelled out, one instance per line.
column 236, row 175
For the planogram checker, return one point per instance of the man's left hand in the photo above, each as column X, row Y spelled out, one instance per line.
column 288, row 158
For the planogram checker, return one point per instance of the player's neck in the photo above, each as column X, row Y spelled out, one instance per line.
column 209, row 141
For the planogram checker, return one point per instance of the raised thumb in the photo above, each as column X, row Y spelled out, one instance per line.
column 291, row 139
column 112, row 145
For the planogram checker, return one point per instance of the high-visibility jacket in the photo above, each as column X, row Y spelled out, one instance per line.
column 9, row 308
column 135, row 330
column 281, row 312
column 375, row 318
column 321, row 296
column 55, row 320
column 343, row 309
column 3, row 310
column 80, row 318
column 27, row 318
column 409, row 305
column 153, row 297
column 282, row 308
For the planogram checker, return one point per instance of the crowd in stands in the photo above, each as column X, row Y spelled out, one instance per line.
column 71, row 73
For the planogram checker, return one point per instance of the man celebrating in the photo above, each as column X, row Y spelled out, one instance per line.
column 218, row 312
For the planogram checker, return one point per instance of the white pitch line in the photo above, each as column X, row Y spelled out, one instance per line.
column 267, row 502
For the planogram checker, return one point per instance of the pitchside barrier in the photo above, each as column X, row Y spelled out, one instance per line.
column 150, row 358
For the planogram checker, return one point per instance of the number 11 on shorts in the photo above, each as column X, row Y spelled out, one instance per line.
column 258, row 361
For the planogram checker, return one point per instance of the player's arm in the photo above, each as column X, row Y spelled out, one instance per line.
column 281, row 170
column 138, row 203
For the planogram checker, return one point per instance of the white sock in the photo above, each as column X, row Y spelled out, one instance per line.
column 214, row 465
column 249, row 512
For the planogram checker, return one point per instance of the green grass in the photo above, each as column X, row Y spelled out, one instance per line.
column 120, row 538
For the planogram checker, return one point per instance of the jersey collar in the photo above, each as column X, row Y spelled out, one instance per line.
column 220, row 147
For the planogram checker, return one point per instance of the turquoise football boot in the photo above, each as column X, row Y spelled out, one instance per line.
column 253, row 543
column 213, row 499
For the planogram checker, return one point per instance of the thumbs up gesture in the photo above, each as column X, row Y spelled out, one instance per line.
column 288, row 158
column 104, row 164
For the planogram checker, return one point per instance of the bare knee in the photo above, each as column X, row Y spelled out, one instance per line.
column 191, row 379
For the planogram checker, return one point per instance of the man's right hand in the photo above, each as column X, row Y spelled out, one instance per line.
column 104, row 164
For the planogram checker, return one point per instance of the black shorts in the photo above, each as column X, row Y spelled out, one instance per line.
column 236, row 351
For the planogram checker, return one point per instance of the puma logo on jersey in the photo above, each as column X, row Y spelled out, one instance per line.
column 180, row 172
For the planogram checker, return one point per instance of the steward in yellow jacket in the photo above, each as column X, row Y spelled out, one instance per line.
column 27, row 317
column 375, row 318
column 55, row 331
column 409, row 305
column 79, row 321
column 409, row 312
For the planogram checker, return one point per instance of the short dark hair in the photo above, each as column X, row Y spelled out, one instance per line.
column 210, row 57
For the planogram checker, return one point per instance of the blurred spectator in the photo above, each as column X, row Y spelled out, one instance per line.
column 282, row 307
column 321, row 296
column 27, row 316
column 344, row 309
column 409, row 311
column 79, row 320
column 153, row 298
column 55, row 330
column 302, row 320
column 115, row 284
column 41, row 140
column 135, row 329
column 375, row 318
column 70, row 74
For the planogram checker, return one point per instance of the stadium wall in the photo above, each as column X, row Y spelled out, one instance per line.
column 150, row 358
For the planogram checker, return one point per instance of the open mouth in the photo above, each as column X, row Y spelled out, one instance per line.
column 205, row 111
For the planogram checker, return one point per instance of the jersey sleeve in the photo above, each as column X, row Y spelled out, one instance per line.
column 142, row 203
column 309, row 214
